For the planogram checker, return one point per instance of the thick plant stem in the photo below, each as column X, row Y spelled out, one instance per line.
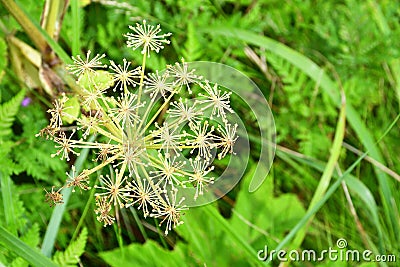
column 27, row 25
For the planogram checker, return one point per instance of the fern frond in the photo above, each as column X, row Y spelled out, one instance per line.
column 8, row 111
column 70, row 257
column 192, row 48
column 37, row 163
column 32, row 237
column 19, row 262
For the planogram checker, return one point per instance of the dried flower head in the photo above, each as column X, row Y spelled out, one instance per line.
column 170, row 210
column 104, row 209
column 143, row 133
column 53, row 197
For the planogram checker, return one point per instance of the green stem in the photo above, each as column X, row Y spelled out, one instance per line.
column 142, row 77
column 52, row 17
column 30, row 29
column 85, row 211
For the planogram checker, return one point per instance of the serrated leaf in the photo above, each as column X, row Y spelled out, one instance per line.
column 38, row 162
column 193, row 50
column 205, row 236
column 70, row 257
column 32, row 237
column 255, row 215
column 8, row 111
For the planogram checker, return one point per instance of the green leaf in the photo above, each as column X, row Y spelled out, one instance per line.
column 265, row 212
column 193, row 51
column 8, row 111
column 7, row 197
column 72, row 108
column 19, row 262
column 31, row 238
column 101, row 78
column 13, row 214
column 23, row 250
column 255, row 214
column 147, row 254
column 38, row 162
column 204, row 235
column 71, row 255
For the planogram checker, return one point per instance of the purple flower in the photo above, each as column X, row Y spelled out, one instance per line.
column 26, row 101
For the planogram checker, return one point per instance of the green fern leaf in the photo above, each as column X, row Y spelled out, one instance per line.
column 38, row 162
column 8, row 111
column 70, row 257
column 193, row 50
column 32, row 237
column 7, row 164
column 19, row 262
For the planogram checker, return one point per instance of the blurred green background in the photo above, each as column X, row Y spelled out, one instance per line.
column 284, row 47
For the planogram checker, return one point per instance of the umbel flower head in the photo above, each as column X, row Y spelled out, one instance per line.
column 158, row 132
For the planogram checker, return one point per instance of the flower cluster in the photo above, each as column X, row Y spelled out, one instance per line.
column 159, row 131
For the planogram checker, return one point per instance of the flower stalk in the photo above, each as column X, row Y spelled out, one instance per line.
column 154, row 149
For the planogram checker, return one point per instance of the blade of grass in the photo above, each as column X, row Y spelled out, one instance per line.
column 326, row 175
column 355, row 185
column 23, row 250
column 331, row 190
column 76, row 27
column 6, row 195
column 317, row 74
column 138, row 222
column 383, row 26
column 56, row 217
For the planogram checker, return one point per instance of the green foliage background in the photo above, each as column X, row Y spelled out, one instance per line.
column 357, row 44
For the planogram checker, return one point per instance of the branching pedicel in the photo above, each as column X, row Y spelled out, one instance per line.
column 144, row 133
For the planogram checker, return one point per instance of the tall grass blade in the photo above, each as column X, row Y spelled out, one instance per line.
column 23, row 250
column 6, row 195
